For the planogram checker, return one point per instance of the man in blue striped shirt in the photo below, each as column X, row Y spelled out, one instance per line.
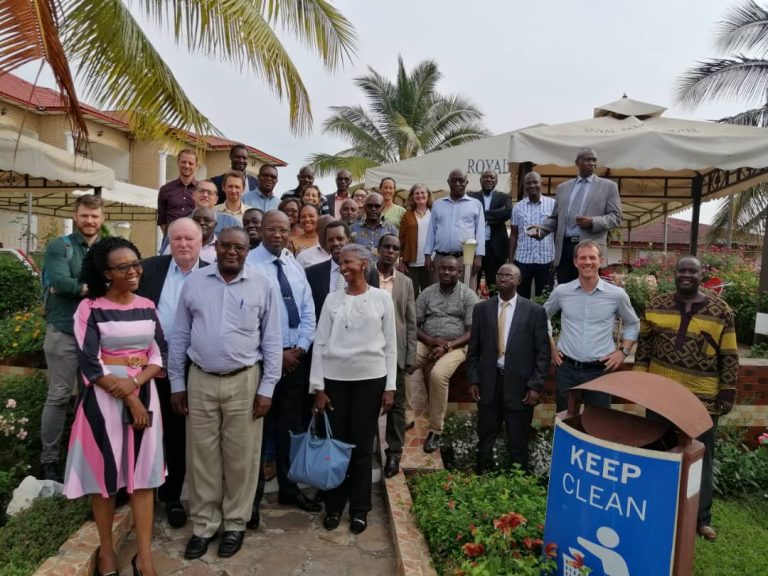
column 533, row 257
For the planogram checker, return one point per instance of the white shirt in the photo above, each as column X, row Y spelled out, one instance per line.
column 423, row 226
column 507, row 323
column 336, row 277
column 313, row 255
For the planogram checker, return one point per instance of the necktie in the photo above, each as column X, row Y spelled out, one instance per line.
column 502, row 343
column 577, row 202
column 287, row 293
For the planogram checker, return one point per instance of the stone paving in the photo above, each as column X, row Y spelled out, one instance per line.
column 289, row 542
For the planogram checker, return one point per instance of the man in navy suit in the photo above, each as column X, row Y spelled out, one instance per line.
column 507, row 364
column 161, row 282
column 498, row 210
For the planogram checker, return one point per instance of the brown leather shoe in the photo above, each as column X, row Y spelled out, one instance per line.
column 707, row 532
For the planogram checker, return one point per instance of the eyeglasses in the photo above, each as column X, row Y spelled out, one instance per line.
column 204, row 192
column 227, row 246
column 273, row 230
column 125, row 268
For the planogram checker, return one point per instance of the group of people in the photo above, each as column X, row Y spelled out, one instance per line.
column 190, row 363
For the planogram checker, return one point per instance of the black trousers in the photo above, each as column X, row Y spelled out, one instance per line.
column 395, row 432
column 354, row 419
column 174, row 444
column 491, row 264
column 420, row 277
column 286, row 415
column 541, row 274
column 566, row 270
column 517, row 424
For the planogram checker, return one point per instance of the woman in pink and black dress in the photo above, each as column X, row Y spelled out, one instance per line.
column 117, row 435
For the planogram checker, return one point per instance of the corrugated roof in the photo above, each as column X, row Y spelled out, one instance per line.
column 45, row 100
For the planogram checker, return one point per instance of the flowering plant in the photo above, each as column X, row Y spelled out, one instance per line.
column 22, row 333
column 763, row 439
column 11, row 423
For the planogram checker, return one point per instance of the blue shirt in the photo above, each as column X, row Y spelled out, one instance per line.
column 525, row 214
column 256, row 199
column 582, row 186
column 588, row 319
column 369, row 237
column 169, row 297
column 223, row 326
column 454, row 222
column 262, row 260
column 225, row 221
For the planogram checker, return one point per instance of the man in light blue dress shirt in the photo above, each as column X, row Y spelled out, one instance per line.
column 297, row 326
column 589, row 308
column 263, row 196
column 455, row 219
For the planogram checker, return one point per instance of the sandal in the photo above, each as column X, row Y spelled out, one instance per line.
column 358, row 525
column 96, row 568
column 331, row 521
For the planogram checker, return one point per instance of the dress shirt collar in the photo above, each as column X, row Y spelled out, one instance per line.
column 176, row 270
column 213, row 270
column 487, row 194
column 449, row 199
column 512, row 301
column 590, row 178
column 600, row 286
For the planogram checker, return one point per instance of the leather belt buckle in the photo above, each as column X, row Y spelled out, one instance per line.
column 134, row 361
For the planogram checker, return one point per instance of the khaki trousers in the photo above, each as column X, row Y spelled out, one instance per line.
column 437, row 381
column 223, row 449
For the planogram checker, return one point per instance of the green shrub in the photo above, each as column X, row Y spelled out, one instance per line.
column 19, row 290
column 473, row 525
column 37, row 533
column 737, row 470
column 22, row 333
column 19, row 447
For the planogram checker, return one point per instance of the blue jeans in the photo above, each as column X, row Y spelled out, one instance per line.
column 569, row 376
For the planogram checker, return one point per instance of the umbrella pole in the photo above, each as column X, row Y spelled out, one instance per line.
column 29, row 223
column 696, row 188
column 666, row 231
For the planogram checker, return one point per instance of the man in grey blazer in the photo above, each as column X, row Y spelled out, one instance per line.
column 506, row 380
column 586, row 207
column 384, row 275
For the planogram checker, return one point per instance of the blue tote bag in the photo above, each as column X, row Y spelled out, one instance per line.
column 318, row 462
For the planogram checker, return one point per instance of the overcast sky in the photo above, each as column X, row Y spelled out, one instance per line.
column 521, row 62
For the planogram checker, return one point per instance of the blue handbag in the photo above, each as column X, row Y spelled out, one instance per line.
column 319, row 462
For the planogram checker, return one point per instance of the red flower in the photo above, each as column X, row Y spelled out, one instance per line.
column 551, row 550
column 459, row 536
column 528, row 543
column 452, row 504
column 472, row 529
column 507, row 522
column 473, row 550
column 447, row 487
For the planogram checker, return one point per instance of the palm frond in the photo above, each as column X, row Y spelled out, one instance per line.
column 29, row 31
column 744, row 29
column 726, row 78
column 461, row 135
column 329, row 164
column 355, row 125
column 750, row 209
column 754, row 117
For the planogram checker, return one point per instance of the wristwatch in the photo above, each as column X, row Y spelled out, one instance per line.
column 626, row 351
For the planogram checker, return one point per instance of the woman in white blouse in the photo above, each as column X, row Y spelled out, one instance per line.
column 354, row 364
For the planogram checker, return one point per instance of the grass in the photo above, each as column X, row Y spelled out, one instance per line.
column 742, row 539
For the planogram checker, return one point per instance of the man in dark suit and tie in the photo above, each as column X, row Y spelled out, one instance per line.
column 161, row 282
column 586, row 208
column 384, row 275
column 326, row 277
column 498, row 210
column 507, row 364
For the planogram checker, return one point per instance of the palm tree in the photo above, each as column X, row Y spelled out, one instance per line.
column 404, row 119
column 741, row 75
column 121, row 70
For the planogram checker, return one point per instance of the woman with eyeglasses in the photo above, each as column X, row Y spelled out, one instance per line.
column 116, row 439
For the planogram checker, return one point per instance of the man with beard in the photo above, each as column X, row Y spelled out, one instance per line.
column 297, row 322
column 205, row 196
column 263, row 197
column 238, row 158
column 174, row 199
column 349, row 211
column 227, row 325
column 688, row 336
column 498, row 210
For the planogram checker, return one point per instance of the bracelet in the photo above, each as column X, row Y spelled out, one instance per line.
column 136, row 382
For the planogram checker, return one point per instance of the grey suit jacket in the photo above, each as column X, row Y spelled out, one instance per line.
column 526, row 355
column 603, row 204
column 405, row 315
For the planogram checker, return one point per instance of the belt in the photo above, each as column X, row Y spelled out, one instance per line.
column 223, row 374
column 132, row 361
column 455, row 254
column 573, row 239
column 586, row 365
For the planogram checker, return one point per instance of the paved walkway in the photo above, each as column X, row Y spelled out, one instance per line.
column 289, row 542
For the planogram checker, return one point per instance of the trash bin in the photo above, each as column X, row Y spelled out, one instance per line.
column 624, row 490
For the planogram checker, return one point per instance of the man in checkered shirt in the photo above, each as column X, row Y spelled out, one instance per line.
column 533, row 257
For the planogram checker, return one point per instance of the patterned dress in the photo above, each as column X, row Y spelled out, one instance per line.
column 105, row 453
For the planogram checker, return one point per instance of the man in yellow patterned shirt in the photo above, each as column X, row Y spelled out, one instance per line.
column 688, row 336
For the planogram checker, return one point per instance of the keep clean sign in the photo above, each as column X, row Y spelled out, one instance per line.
column 611, row 508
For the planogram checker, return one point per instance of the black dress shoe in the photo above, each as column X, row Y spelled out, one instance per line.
column 392, row 467
column 253, row 523
column 358, row 524
column 177, row 516
column 331, row 521
column 432, row 442
column 197, row 547
column 300, row 501
column 50, row 471
column 231, row 541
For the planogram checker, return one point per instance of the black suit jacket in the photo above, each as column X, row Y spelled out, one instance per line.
column 496, row 217
column 319, row 278
column 153, row 278
column 219, row 181
column 526, row 357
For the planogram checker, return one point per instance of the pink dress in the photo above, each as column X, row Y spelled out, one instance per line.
column 106, row 454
